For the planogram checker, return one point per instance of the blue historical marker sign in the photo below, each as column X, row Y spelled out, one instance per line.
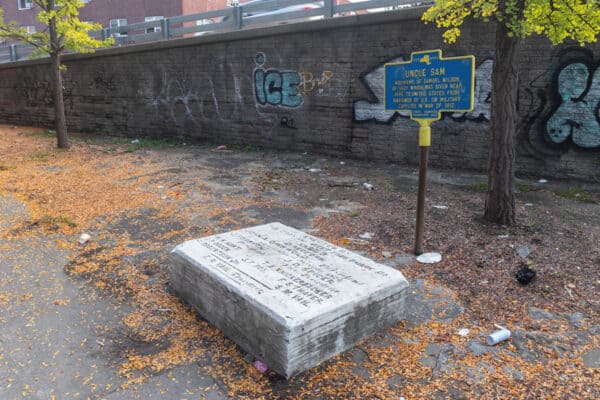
column 428, row 84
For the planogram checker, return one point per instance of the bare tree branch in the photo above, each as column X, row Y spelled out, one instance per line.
column 9, row 34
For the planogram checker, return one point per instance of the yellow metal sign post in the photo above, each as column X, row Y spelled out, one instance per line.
column 426, row 86
column 424, row 143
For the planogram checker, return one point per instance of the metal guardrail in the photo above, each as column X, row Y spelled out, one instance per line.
column 14, row 52
column 257, row 14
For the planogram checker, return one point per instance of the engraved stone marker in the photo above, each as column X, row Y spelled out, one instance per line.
column 286, row 297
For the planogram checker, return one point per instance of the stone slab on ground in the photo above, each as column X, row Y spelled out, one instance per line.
column 591, row 358
column 286, row 297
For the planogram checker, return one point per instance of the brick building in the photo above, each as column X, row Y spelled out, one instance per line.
column 113, row 12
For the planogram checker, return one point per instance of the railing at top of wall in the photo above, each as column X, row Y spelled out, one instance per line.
column 253, row 14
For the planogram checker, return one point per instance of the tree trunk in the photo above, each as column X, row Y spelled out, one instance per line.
column 500, row 199
column 60, row 121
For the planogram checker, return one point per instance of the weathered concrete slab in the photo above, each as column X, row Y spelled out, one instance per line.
column 12, row 211
column 284, row 296
column 591, row 358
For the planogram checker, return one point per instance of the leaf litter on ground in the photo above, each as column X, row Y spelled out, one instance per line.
column 98, row 190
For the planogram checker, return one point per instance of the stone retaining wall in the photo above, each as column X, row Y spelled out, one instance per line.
column 317, row 87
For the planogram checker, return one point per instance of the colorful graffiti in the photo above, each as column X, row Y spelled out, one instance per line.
column 314, row 84
column 556, row 108
column 576, row 116
column 578, row 113
column 183, row 99
column 365, row 110
column 286, row 88
column 274, row 87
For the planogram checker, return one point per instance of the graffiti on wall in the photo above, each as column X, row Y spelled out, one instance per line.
column 185, row 99
column 178, row 95
column 562, row 104
column 103, row 81
column 275, row 87
column 289, row 123
column 483, row 94
column 311, row 83
column 36, row 92
column 366, row 110
column 578, row 113
column 286, row 88
column 576, row 116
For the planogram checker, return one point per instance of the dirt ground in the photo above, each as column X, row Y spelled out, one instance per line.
column 138, row 198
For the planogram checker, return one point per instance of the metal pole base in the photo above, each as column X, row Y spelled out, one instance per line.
column 423, row 158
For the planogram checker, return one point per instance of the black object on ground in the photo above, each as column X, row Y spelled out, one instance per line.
column 525, row 274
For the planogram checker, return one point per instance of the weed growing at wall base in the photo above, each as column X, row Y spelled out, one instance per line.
column 42, row 134
column 157, row 143
column 577, row 194
column 482, row 186
column 55, row 222
column 39, row 156
column 130, row 144
column 247, row 148
column 524, row 188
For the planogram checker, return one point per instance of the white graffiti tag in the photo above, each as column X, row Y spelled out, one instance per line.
column 483, row 93
column 365, row 110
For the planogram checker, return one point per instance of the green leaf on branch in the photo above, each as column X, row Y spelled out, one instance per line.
column 558, row 20
column 69, row 32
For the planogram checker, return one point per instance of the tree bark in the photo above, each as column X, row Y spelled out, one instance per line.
column 500, row 199
column 60, row 121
